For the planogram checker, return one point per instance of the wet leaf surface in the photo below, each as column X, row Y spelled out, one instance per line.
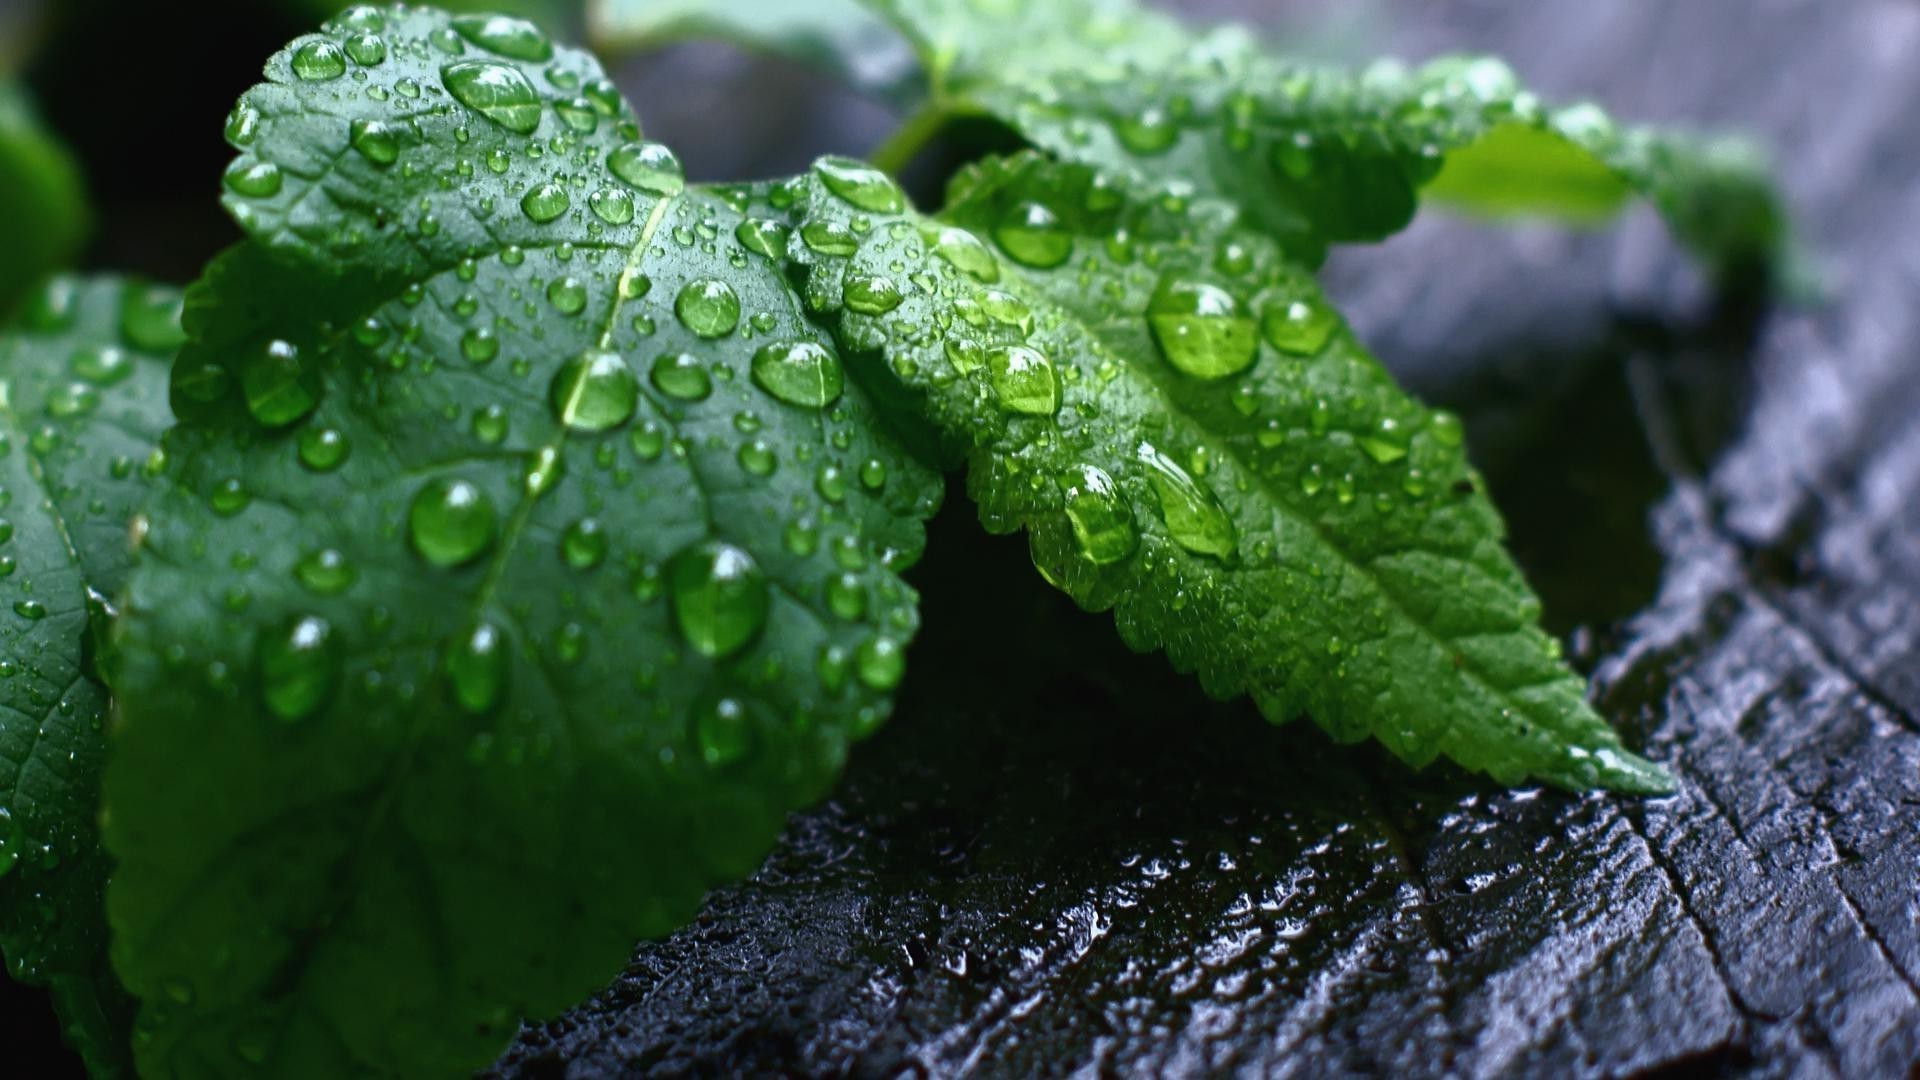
column 1060, row 855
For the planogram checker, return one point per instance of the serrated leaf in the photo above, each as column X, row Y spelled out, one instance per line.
column 1191, row 438
column 840, row 38
column 42, row 199
column 1312, row 154
column 525, row 556
column 82, row 405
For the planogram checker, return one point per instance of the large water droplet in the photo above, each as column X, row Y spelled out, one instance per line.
column 594, row 391
column 1098, row 511
column 871, row 294
column 1194, row 518
column 298, row 667
column 767, row 239
column 860, row 184
column 880, row 662
column 967, row 253
column 650, row 166
column 1203, row 330
column 801, row 373
column 1032, row 235
column 451, row 521
column 477, row 667
column 1024, row 380
column 318, row 61
column 506, row 36
column 708, row 307
column 498, row 92
column 278, row 389
column 719, row 597
column 253, row 179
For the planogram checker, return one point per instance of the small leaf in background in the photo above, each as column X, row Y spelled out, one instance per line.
column 82, row 405
column 1192, row 438
column 42, row 199
column 525, row 556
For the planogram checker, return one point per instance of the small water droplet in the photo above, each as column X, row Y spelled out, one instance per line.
column 1032, row 235
column 477, row 667
column 683, row 376
column 767, row 239
column 325, row 572
column 1298, row 327
column 322, row 449
column 724, row 732
column 298, row 667
column 584, row 544
column 278, row 389
column 880, row 661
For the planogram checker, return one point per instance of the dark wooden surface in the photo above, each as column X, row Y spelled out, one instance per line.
column 1060, row 857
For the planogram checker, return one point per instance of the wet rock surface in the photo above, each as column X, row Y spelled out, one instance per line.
column 1061, row 856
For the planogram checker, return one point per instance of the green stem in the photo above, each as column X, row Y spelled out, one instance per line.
column 912, row 136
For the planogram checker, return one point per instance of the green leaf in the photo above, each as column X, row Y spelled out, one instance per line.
column 82, row 404
column 840, row 38
column 525, row 556
column 42, row 198
column 1191, row 438
column 1312, row 154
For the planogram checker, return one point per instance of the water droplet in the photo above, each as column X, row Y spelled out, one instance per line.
column 318, row 61
column 681, row 375
column 584, row 544
column 723, row 732
column 505, row 36
column 967, row 253
column 829, row 238
column 298, row 667
column 1194, row 518
column 230, row 496
column 1201, row 328
column 477, row 667
column 719, row 597
column 1299, row 327
column 375, row 140
column 325, row 572
column 611, row 205
column 767, row 239
column 758, row 458
column 498, row 92
column 594, row 391
column 1387, row 442
column 568, row 295
column 322, row 449
column 253, row 179
column 800, row 373
column 708, row 307
column 150, row 318
column 847, row 596
column 545, row 202
column 479, row 344
column 650, row 166
column 1024, row 380
column 490, row 424
column 367, row 50
column 860, row 184
column 32, row 610
column 451, row 521
column 102, row 365
column 1098, row 512
column 278, row 389
column 872, row 295
column 1150, row 131
column 880, row 662
column 1031, row 234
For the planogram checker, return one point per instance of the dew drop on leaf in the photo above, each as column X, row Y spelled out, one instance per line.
column 648, row 166
column 450, row 522
column 374, row 140
column 1202, row 330
column 803, row 373
column 1299, row 327
column 1024, row 380
column 322, row 449
column 723, row 732
column 719, row 597
column 325, row 572
column 611, row 205
column 102, row 365
column 253, row 179
column 594, row 391
column 708, row 307
column 829, row 238
column 276, row 389
column 503, row 35
column 318, row 61
column 1150, row 131
column 861, row 185
column 476, row 663
column 1194, row 518
column 872, row 295
column 568, row 295
column 367, row 50
column 584, row 544
column 682, row 376
column 880, row 661
column 767, row 239
column 967, row 253
column 1031, row 235
column 498, row 92
column 1101, row 519
column 298, row 667
column 544, row 202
